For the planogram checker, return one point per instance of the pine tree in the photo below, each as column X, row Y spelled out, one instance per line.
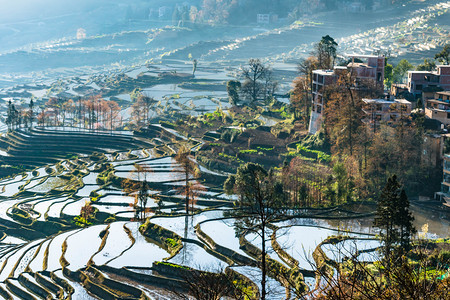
column 405, row 222
column 9, row 118
column 326, row 51
column 30, row 113
column 394, row 218
column 386, row 214
column 233, row 87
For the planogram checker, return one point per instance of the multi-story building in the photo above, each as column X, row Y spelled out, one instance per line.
column 444, row 194
column 439, row 107
column 382, row 110
column 420, row 81
column 321, row 79
column 370, row 71
column 266, row 18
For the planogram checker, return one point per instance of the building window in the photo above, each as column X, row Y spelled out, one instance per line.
column 447, row 165
column 448, row 115
column 447, row 178
column 419, row 87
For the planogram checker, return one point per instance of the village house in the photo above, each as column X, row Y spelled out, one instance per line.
column 370, row 71
column 429, row 81
column 382, row 110
column 438, row 108
column 399, row 89
column 266, row 18
column 444, row 194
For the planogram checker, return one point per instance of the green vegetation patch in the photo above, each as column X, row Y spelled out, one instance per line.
column 164, row 263
column 314, row 154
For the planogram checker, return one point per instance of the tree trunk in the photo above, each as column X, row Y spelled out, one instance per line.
column 187, row 187
column 263, row 262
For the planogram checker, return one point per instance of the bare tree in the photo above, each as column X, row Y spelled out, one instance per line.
column 254, row 76
column 260, row 202
column 141, row 109
column 190, row 170
column 305, row 68
column 137, row 186
column 270, row 85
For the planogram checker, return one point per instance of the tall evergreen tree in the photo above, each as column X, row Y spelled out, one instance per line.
column 386, row 214
column 233, row 87
column 326, row 52
column 394, row 218
column 30, row 113
column 444, row 55
column 9, row 117
column 405, row 221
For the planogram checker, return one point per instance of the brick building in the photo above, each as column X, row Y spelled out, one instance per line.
column 420, row 81
column 371, row 70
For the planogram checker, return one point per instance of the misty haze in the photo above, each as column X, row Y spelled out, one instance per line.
column 225, row 149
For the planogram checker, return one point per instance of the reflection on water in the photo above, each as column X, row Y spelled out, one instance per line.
column 438, row 223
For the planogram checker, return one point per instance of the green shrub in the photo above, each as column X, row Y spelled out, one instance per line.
column 206, row 123
column 171, row 265
column 264, row 149
column 316, row 142
column 81, row 222
column 249, row 151
column 94, row 195
column 216, row 145
column 167, row 124
column 171, row 242
column 210, row 116
column 315, row 154
column 230, row 158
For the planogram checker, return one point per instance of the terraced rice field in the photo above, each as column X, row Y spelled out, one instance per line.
column 47, row 251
